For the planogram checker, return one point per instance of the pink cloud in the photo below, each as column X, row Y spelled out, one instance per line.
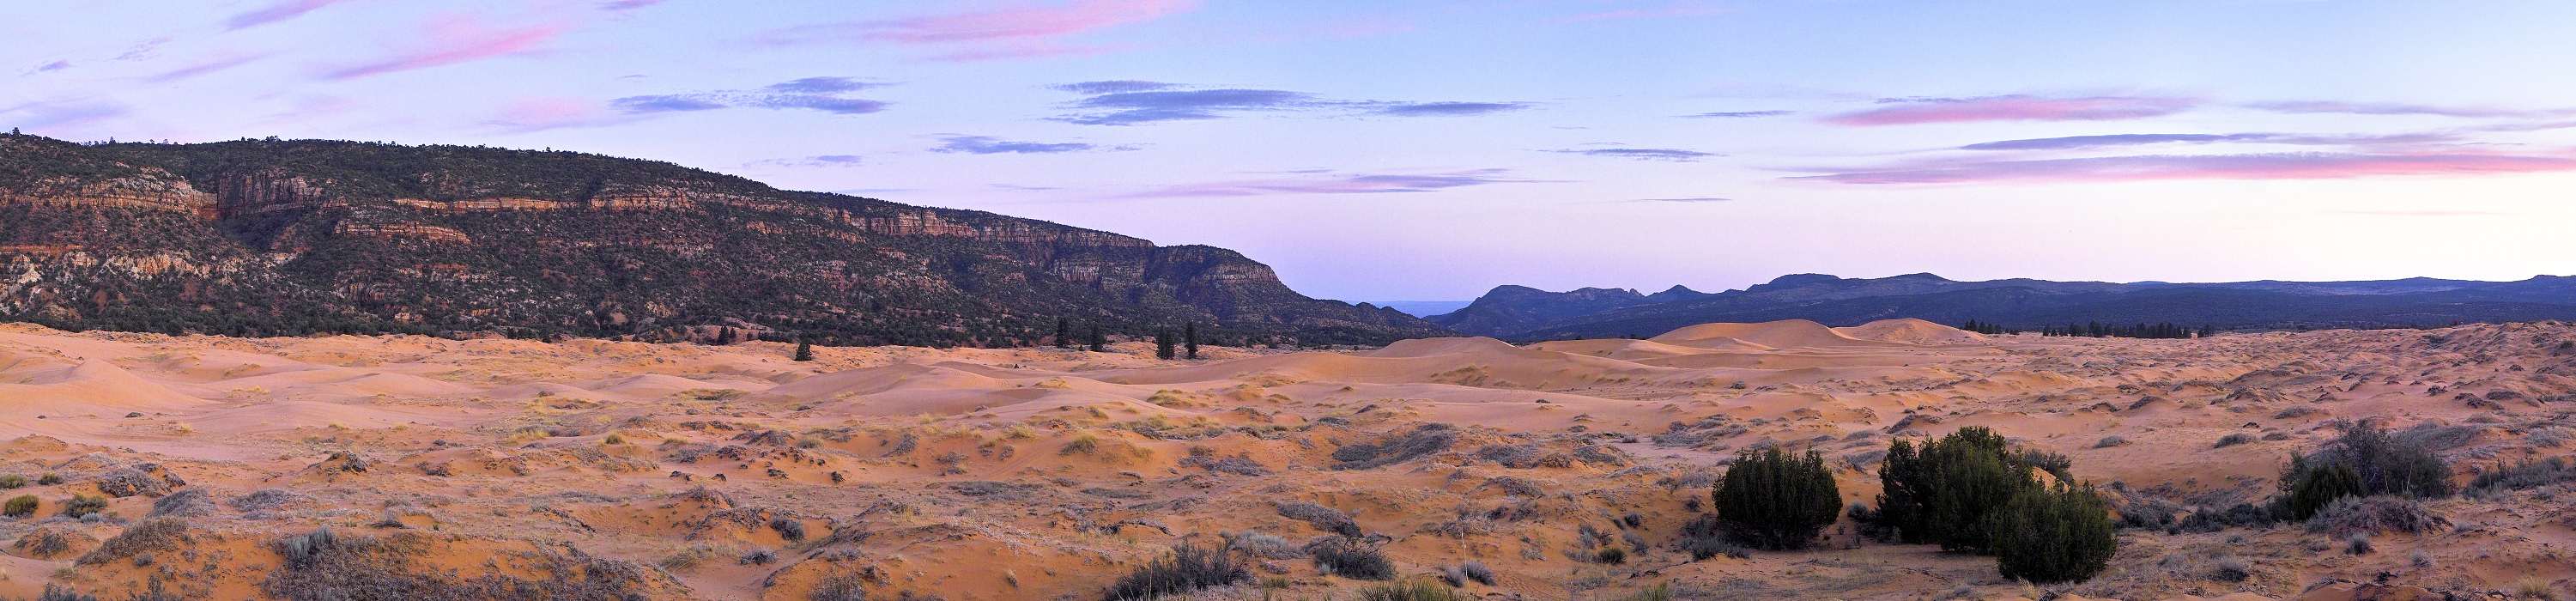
column 1019, row 32
column 2013, row 108
column 204, row 68
column 2191, row 167
column 456, row 40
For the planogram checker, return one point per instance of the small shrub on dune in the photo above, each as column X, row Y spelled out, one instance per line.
column 1188, row 569
column 9, row 481
column 838, row 587
column 2234, row 439
column 1415, row 590
column 1773, row 500
column 2528, row 474
column 82, row 505
column 1342, row 557
column 2383, row 513
column 20, row 506
column 2364, row 461
column 1476, row 571
column 49, row 479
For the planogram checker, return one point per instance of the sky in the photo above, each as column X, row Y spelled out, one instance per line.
column 1433, row 149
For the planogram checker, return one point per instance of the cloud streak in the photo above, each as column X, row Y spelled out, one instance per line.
column 1909, row 111
column 1738, row 114
column 992, row 145
column 1444, row 109
column 1643, row 154
column 810, row 93
column 2398, row 108
column 1340, row 183
column 1142, row 102
column 2119, row 140
column 2273, row 166
column 453, row 41
column 274, row 12
column 203, row 68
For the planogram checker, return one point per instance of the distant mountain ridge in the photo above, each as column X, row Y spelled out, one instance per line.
column 290, row 237
column 1523, row 313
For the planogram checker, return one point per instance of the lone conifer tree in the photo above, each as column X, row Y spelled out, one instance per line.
column 1099, row 343
column 1190, row 340
column 1163, row 343
column 804, row 349
column 1063, row 333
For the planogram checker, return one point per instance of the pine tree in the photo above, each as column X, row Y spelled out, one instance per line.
column 804, row 350
column 1163, row 343
column 1190, row 340
column 1775, row 500
column 1063, row 333
column 1099, row 343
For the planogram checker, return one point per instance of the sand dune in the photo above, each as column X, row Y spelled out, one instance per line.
column 1047, row 473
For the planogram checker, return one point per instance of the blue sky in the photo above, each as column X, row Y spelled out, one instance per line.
column 1433, row 149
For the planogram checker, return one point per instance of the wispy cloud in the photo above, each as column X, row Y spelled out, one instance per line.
column 1340, row 183
column 455, row 40
column 1026, row 31
column 626, row 5
column 1686, row 199
column 2117, row 140
column 279, row 10
column 1130, row 108
column 204, row 68
column 52, row 66
column 1738, row 114
column 2318, row 165
column 63, row 113
column 663, row 104
column 822, row 160
column 1112, row 86
column 811, row 93
column 2397, row 108
column 1643, row 154
column 1141, row 102
column 992, row 145
column 1438, row 109
column 822, row 85
column 1906, row 111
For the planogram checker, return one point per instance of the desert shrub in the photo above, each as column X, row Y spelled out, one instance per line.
column 2528, row 474
column 58, row 593
column 9, row 481
column 264, row 499
column 1188, row 569
column 789, row 529
column 1323, row 518
column 392, row 567
column 2234, row 439
column 1943, row 493
column 1422, row 440
column 2058, row 534
column 1661, row 591
column 186, row 502
column 2314, row 488
column 2230, row 569
column 19, row 506
column 2357, row 543
column 2241, row 514
column 81, row 505
column 1611, row 555
column 302, row 550
column 1262, row 545
column 1342, row 557
column 2056, row 464
column 1773, row 500
column 2385, row 464
column 2110, row 441
column 1081, row 445
column 1705, row 537
column 44, row 543
column 1476, row 571
column 2534, row 588
column 758, row 557
column 141, row 539
column 1414, row 590
column 2375, row 514
column 838, row 587
column 49, row 479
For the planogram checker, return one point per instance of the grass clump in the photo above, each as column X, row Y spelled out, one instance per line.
column 81, row 505
column 1188, row 569
column 1412, row 590
column 10, row 481
column 19, row 506
column 1340, row 556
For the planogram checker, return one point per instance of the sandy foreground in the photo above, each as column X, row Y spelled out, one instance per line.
column 684, row 471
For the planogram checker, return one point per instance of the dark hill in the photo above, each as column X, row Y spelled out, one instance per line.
column 269, row 237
